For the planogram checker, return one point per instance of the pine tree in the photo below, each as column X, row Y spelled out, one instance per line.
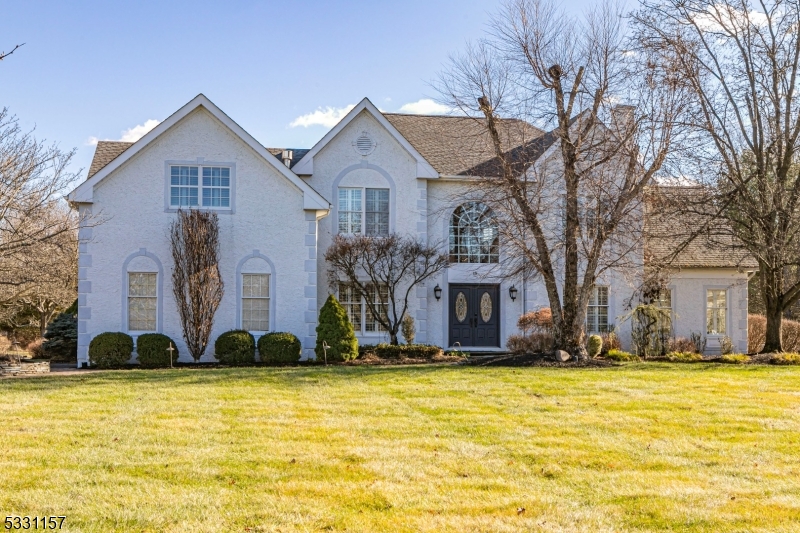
column 62, row 338
column 335, row 328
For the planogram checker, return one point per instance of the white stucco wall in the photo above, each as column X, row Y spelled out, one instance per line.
column 689, row 288
column 390, row 166
column 131, row 222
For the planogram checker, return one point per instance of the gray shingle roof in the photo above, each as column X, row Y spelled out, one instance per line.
column 461, row 145
column 693, row 240
column 297, row 154
column 105, row 153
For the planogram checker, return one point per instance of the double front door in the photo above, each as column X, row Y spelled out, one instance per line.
column 474, row 315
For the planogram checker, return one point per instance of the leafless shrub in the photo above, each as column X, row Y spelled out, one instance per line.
column 393, row 264
column 530, row 343
column 540, row 321
column 757, row 334
column 681, row 344
column 196, row 281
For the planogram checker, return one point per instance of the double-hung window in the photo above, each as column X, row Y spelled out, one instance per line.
column 142, row 301
column 597, row 311
column 359, row 313
column 199, row 186
column 255, row 302
column 716, row 311
column 363, row 211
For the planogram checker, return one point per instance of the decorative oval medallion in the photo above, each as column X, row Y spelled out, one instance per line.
column 461, row 307
column 486, row 307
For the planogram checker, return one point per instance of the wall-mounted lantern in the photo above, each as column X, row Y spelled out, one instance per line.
column 512, row 292
column 437, row 291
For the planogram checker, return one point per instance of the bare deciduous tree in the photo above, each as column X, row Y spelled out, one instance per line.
column 383, row 271
column 741, row 60
column 196, row 281
column 4, row 55
column 38, row 233
column 569, row 203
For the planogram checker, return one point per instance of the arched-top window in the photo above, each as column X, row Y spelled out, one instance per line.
column 474, row 235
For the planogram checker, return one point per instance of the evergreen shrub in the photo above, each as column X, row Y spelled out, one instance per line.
column 110, row 350
column 278, row 347
column 594, row 346
column 334, row 327
column 235, row 347
column 61, row 338
column 153, row 350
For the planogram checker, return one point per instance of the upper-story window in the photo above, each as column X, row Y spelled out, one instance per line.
column 363, row 211
column 474, row 235
column 200, row 186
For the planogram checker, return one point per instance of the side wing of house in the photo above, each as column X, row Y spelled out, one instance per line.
column 196, row 159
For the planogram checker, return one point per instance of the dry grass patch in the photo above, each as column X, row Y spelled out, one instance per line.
column 641, row 447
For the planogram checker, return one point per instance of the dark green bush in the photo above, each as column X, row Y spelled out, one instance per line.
column 61, row 338
column 410, row 351
column 153, row 350
column 335, row 328
column 72, row 309
column 235, row 347
column 110, row 350
column 278, row 347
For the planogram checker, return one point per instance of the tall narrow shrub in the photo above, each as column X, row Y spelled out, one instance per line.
column 196, row 281
column 334, row 327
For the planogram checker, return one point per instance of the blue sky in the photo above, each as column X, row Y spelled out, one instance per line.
column 103, row 69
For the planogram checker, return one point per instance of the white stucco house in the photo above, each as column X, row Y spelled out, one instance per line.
column 278, row 209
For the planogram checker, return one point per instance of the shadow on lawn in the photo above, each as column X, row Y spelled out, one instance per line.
column 325, row 374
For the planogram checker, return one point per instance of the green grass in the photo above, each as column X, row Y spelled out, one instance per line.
column 642, row 447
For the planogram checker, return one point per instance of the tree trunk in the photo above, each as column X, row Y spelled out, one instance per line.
column 771, row 281
column 393, row 340
column 569, row 334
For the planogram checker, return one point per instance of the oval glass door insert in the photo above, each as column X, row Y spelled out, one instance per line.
column 486, row 307
column 461, row 307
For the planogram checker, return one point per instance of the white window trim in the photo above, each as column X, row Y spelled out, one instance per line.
column 273, row 295
column 199, row 162
column 363, row 209
column 128, row 297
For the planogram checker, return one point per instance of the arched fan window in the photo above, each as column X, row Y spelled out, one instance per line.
column 473, row 235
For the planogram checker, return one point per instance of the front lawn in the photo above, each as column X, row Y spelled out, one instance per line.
column 643, row 447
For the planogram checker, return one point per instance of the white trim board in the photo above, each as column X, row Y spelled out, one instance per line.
column 83, row 193
column 305, row 167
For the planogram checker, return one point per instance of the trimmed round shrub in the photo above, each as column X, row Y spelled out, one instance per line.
column 153, row 350
column 235, row 347
column 110, row 350
column 594, row 346
column 278, row 347
column 334, row 327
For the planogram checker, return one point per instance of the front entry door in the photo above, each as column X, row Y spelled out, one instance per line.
column 474, row 315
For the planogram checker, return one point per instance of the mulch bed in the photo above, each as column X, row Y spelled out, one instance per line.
column 540, row 360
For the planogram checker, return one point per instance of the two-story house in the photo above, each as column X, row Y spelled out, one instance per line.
column 373, row 173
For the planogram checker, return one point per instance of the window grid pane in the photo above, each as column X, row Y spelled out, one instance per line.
column 716, row 311
column 142, row 301
column 597, row 311
column 350, row 210
column 377, row 212
column 216, row 187
column 474, row 235
column 351, row 304
column 370, row 322
column 255, row 302
column 183, row 186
